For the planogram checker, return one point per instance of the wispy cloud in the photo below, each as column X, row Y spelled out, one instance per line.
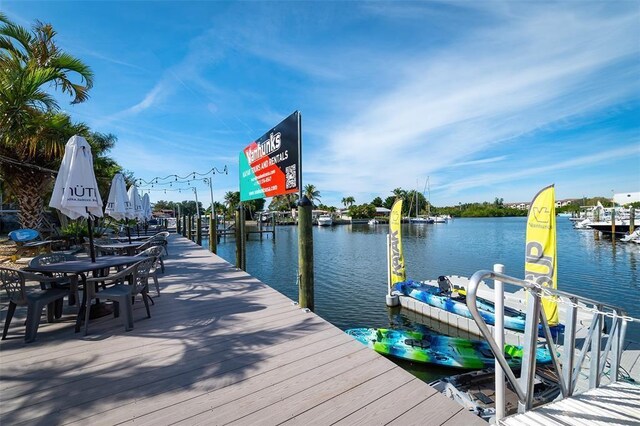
column 540, row 71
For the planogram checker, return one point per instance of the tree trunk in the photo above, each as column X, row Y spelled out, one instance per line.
column 29, row 188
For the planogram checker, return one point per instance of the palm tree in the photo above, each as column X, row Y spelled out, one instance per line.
column 311, row 193
column 232, row 199
column 30, row 128
column 400, row 193
column 348, row 201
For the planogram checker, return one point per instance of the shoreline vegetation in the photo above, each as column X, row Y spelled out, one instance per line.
column 286, row 203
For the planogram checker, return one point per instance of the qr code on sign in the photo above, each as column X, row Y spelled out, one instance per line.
column 291, row 176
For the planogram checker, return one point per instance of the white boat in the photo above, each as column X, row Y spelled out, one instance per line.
column 325, row 220
column 373, row 222
column 421, row 220
column 439, row 219
column 583, row 224
column 633, row 237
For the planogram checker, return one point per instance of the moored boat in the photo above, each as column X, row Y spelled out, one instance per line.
column 325, row 220
column 475, row 391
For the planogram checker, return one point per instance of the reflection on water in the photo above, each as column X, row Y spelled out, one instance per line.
column 350, row 268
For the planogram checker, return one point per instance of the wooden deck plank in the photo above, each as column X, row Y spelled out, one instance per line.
column 195, row 364
column 221, row 346
column 442, row 410
column 170, row 407
column 124, row 348
column 337, row 408
column 382, row 412
column 299, row 399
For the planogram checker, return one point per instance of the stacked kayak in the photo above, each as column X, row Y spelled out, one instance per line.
column 453, row 302
column 439, row 349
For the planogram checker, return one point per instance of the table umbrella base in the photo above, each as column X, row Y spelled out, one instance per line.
column 99, row 310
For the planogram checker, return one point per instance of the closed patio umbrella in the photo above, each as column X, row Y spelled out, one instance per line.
column 146, row 207
column 136, row 204
column 75, row 192
column 146, row 211
column 118, row 205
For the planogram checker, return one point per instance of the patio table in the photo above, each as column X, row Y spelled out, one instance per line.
column 79, row 268
column 128, row 248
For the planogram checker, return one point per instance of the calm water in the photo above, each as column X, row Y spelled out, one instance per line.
column 350, row 267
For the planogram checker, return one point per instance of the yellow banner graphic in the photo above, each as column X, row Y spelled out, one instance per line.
column 541, row 264
column 397, row 270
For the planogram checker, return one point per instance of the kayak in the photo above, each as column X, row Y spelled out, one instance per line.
column 438, row 349
column 452, row 301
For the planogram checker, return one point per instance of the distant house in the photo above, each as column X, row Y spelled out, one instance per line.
column 382, row 211
column 564, row 203
column 626, row 198
column 519, row 206
column 163, row 213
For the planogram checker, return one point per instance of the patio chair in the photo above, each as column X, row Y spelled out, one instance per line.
column 162, row 236
column 137, row 275
column 14, row 282
column 64, row 280
column 153, row 243
column 156, row 253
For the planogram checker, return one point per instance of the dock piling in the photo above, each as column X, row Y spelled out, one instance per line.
column 305, row 254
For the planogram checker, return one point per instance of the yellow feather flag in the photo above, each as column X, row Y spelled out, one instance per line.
column 541, row 264
column 396, row 258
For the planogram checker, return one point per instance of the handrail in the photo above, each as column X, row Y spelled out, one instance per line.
column 569, row 371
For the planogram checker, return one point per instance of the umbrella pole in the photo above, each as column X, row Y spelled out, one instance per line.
column 128, row 232
column 92, row 250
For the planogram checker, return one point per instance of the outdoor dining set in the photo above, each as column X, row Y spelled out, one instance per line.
column 114, row 270
column 116, row 278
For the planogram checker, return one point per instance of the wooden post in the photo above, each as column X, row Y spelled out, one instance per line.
column 632, row 219
column 184, row 225
column 213, row 234
column 190, row 228
column 305, row 254
column 613, row 224
column 241, row 245
column 273, row 223
column 199, row 230
column 178, row 218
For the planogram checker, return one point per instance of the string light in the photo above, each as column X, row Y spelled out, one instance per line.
column 182, row 179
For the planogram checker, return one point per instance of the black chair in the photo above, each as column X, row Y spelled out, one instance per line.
column 137, row 276
column 14, row 282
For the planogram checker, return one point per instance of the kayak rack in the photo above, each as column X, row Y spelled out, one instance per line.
column 568, row 367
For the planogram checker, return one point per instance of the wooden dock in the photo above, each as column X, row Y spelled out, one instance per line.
column 221, row 347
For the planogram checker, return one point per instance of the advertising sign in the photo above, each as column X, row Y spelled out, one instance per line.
column 270, row 165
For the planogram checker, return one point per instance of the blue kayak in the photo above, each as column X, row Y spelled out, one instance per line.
column 457, row 304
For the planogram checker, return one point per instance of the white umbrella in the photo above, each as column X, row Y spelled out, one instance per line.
column 136, row 203
column 118, row 205
column 75, row 192
column 146, row 207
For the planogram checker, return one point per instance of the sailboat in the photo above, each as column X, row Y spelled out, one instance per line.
column 420, row 219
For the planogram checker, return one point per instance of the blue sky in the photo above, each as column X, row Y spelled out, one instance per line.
column 487, row 99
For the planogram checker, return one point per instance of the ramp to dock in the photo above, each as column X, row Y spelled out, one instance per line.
column 221, row 347
column 613, row 404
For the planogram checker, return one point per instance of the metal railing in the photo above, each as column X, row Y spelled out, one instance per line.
column 568, row 368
